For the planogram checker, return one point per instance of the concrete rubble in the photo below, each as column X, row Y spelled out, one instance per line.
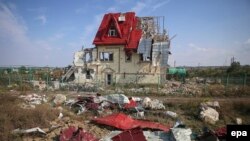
column 32, row 99
column 59, row 99
column 152, row 104
column 238, row 121
column 171, row 114
column 180, row 134
column 209, row 115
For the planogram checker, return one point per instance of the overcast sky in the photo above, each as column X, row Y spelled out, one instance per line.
column 48, row 32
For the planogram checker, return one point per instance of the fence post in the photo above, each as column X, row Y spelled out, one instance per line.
column 227, row 79
column 9, row 78
column 158, row 85
column 245, row 80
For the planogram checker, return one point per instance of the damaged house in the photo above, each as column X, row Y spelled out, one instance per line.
column 128, row 49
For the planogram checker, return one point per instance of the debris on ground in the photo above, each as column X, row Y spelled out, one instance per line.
column 209, row 115
column 29, row 131
column 149, row 136
column 238, row 121
column 59, row 99
column 76, row 134
column 171, row 114
column 117, row 98
column 212, row 104
column 124, row 122
column 135, row 134
column 152, row 104
column 32, row 99
column 180, row 134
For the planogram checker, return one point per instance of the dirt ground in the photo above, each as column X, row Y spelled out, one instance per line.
column 12, row 116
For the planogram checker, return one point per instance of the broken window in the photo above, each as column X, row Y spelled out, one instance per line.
column 106, row 56
column 88, row 76
column 112, row 30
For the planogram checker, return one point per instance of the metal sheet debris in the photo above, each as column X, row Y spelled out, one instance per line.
column 76, row 134
column 135, row 134
column 124, row 122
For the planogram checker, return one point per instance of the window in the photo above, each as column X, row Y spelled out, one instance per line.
column 112, row 30
column 106, row 56
column 88, row 76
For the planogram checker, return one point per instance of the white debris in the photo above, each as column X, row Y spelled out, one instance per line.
column 181, row 134
column 60, row 116
column 171, row 114
column 239, row 121
column 152, row 104
column 156, row 136
column 117, row 98
column 212, row 104
column 150, row 136
column 59, row 99
column 31, row 130
column 137, row 99
column 209, row 115
column 32, row 100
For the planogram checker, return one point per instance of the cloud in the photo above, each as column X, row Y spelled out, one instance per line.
column 80, row 10
column 42, row 18
column 247, row 42
column 139, row 7
column 193, row 46
column 57, row 36
column 148, row 6
column 112, row 9
column 160, row 4
column 39, row 10
column 17, row 48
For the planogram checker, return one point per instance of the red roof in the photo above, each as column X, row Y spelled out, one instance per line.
column 127, row 33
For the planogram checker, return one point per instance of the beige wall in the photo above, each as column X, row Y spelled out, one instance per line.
column 135, row 70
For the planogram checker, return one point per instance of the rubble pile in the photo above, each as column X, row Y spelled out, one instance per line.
column 176, row 87
column 116, row 111
column 208, row 112
column 32, row 99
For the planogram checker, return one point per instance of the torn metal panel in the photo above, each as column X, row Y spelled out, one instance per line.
column 149, row 135
column 160, row 53
column 135, row 134
column 124, row 122
column 144, row 48
column 76, row 134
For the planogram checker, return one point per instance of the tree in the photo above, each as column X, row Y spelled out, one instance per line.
column 235, row 66
column 22, row 69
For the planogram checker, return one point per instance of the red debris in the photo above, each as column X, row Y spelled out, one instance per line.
column 221, row 133
column 135, row 134
column 131, row 104
column 124, row 122
column 76, row 134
